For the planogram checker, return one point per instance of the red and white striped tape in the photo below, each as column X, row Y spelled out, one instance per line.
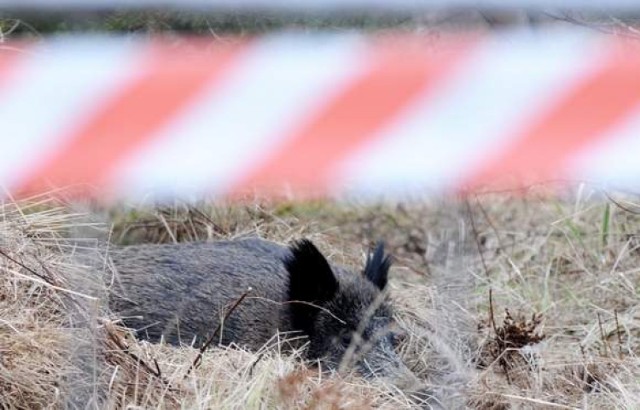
column 324, row 113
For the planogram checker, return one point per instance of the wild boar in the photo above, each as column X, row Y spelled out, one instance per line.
column 177, row 293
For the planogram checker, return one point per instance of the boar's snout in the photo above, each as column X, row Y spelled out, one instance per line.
column 381, row 361
column 426, row 399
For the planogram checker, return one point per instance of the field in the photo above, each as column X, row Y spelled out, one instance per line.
column 526, row 301
column 509, row 302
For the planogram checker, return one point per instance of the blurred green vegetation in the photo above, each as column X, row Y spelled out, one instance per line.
column 211, row 22
column 249, row 23
column 151, row 22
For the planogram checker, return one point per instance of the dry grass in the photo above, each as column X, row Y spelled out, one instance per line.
column 561, row 331
column 60, row 347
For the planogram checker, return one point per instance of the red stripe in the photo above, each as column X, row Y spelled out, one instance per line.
column 581, row 118
column 394, row 79
column 170, row 79
column 10, row 56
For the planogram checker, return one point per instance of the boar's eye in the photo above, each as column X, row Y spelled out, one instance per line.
column 346, row 338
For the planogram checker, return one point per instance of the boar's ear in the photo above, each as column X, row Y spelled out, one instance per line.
column 310, row 280
column 377, row 267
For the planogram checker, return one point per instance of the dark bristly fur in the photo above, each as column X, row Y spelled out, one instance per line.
column 377, row 267
column 307, row 262
column 176, row 293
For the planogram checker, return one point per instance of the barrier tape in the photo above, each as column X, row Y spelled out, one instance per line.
column 318, row 114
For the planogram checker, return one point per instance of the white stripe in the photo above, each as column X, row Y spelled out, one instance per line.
column 277, row 85
column 614, row 161
column 54, row 90
column 501, row 88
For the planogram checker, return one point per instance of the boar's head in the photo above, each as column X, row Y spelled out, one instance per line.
column 347, row 317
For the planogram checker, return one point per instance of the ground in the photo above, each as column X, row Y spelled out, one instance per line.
column 509, row 301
